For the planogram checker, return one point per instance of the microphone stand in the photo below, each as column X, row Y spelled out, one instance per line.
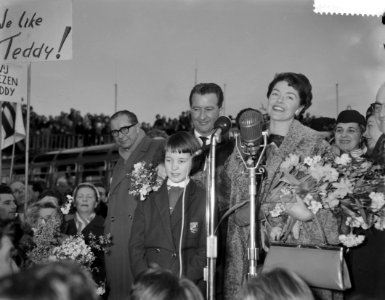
column 251, row 165
column 210, row 220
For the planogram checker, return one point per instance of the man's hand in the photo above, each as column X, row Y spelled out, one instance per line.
column 161, row 171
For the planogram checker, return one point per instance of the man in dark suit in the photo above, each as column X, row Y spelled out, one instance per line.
column 134, row 146
column 206, row 105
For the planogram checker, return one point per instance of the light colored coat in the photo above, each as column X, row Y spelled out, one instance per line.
column 300, row 140
column 121, row 208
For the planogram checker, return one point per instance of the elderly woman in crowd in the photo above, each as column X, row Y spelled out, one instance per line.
column 86, row 222
column 348, row 134
column 367, row 271
column 374, row 136
column 289, row 95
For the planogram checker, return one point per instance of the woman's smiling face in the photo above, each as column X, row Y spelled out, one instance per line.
column 283, row 102
column 347, row 136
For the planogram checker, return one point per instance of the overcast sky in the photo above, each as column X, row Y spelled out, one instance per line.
column 151, row 49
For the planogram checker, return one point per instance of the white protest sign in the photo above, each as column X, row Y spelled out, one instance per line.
column 35, row 30
column 13, row 82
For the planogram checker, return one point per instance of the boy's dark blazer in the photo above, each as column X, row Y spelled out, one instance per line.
column 155, row 233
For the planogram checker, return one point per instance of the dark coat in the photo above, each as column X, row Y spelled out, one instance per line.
column 367, row 267
column 156, row 234
column 120, row 214
column 222, row 152
column 96, row 227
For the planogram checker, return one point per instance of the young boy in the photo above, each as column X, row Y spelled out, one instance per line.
column 169, row 228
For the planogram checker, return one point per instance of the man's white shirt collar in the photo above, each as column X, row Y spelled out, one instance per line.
column 197, row 135
column 181, row 184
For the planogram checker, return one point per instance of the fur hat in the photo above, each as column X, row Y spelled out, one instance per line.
column 351, row 116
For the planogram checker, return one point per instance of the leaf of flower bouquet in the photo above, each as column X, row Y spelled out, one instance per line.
column 361, row 210
column 289, row 178
column 347, row 210
column 277, row 192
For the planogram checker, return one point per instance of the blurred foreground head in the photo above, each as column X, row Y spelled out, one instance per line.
column 157, row 284
column 277, row 284
column 52, row 281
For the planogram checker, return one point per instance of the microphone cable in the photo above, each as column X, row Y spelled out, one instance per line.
column 182, row 228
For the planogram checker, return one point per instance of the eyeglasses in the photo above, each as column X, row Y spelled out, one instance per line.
column 123, row 130
column 377, row 107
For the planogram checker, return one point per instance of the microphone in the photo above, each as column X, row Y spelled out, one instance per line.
column 250, row 127
column 221, row 126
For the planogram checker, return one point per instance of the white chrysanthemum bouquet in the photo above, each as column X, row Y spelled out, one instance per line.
column 343, row 184
column 144, row 179
column 74, row 248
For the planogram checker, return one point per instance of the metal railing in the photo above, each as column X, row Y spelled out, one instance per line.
column 50, row 142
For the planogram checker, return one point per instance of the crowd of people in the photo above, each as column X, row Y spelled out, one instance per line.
column 72, row 129
column 155, row 211
column 96, row 125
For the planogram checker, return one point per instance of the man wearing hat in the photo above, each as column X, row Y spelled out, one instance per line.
column 349, row 130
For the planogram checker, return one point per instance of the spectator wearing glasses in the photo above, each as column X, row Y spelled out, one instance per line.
column 374, row 137
column 378, row 107
column 134, row 146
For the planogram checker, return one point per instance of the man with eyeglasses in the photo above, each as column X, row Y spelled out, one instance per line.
column 134, row 146
column 378, row 107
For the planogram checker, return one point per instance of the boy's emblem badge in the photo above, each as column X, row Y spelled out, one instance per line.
column 193, row 227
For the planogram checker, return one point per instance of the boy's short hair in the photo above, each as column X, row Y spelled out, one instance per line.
column 182, row 142
column 185, row 142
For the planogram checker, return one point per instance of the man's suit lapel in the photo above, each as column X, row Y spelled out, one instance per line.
column 120, row 171
column 119, row 175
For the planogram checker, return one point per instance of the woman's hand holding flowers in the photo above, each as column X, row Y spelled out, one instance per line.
column 298, row 209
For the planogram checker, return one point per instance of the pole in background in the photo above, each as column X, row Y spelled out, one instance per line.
column 116, row 97
column 224, row 97
column 337, row 99
column 27, row 134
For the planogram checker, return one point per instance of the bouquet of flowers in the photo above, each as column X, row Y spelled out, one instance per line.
column 144, row 179
column 101, row 242
column 66, row 207
column 45, row 237
column 338, row 183
column 74, row 248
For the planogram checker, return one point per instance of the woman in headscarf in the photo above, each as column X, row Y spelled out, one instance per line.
column 348, row 133
column 86, row 222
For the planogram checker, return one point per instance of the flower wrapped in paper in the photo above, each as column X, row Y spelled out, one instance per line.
column 144, row 179
column 342, row 184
